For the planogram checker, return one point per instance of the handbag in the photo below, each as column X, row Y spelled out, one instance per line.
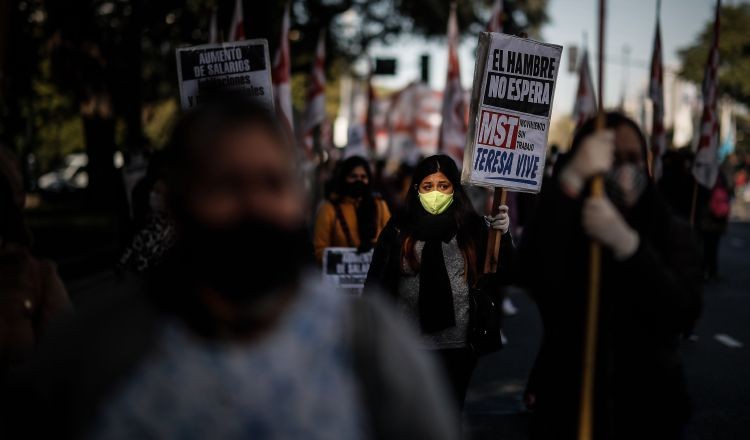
column 485, row 321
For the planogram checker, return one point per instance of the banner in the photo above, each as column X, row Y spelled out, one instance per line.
column 511, row 104
column 242, row 66
column 346, row 268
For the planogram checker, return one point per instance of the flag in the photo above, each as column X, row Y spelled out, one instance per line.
column 315, row 112
column 585, row 105
column 281, row 77
column 496, row 20
column 656, row 94
column 237, row 28
column 706, row 163
column 213, row 29
column 454, row 125
column 370, row 115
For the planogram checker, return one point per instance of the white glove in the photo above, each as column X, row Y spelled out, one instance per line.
column 594, row 156
column 501, row 221
column 603, row 222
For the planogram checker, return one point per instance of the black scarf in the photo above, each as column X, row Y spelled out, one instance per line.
column 435, row 299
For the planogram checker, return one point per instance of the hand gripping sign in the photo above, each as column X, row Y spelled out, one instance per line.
column 511, row 103
column 241, row 67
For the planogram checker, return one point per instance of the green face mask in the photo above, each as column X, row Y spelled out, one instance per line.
column 435, row 202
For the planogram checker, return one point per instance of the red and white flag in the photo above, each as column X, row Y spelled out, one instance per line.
column 281, row 77
column 237, row 28
column 656, row 93
column 454, row 124
column 585, row 105
column 315, row 112
column 213, row 29
column 496, row 20
column 706, row 163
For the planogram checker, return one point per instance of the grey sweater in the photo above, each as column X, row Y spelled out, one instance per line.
column 408, row 295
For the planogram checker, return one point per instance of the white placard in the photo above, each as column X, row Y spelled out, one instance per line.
column 511, row 104
column 242, row 66
column 345, row 267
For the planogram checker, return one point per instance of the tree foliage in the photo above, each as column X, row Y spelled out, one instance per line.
column 734, row 53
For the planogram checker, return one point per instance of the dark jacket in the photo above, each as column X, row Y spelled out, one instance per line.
column 386, row 265
column 645, row 303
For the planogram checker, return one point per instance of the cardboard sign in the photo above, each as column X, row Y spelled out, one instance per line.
column 242, row 66
column 511, row 104
column 345, row 267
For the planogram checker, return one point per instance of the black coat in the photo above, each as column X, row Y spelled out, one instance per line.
column 646, row 301
column 386, row 265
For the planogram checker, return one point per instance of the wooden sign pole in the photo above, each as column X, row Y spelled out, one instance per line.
column 586, row 421
column 492, row 256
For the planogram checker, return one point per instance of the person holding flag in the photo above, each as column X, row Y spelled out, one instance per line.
column 639, row 387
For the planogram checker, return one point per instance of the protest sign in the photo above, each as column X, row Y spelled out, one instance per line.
column 511, row 104
column 242, row 66
column 345, row 267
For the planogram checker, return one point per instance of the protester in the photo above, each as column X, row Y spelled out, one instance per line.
column 155, row 233
column 352, row 216
column 232, row 338
column 650, row 291
column 429, row 256
column 31, row 292
column 713, row 224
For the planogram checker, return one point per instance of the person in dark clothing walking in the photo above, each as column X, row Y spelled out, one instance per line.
column 232, row 338
column 431, row 254
column 650, row 291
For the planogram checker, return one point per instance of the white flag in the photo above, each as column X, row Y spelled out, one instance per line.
column 454, row 125
column 281, row 76
column 237, row 28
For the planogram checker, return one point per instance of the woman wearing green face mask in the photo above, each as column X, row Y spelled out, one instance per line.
column 431, row 254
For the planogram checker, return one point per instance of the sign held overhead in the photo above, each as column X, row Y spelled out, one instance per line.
column 241, row 66
column 511, row 104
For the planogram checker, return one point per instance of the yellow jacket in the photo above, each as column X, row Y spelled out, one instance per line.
column 329, row 231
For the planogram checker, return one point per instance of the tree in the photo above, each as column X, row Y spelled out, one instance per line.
column 734, row 53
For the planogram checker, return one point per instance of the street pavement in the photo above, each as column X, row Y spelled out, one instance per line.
column 717, row 365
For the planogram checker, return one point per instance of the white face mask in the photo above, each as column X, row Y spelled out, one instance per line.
column 625, row 184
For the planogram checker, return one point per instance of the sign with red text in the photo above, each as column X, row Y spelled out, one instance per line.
column 511, row 105
column 240, row 67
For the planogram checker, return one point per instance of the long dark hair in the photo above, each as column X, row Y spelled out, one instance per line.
column 463, row 213
column 367, row 209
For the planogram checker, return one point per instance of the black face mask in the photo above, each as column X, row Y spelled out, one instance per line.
column 356, row 189
column 246, row 260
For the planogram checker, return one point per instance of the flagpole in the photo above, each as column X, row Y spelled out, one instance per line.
column 586, row 421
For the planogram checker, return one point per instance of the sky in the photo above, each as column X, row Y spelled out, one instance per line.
column 629, row 23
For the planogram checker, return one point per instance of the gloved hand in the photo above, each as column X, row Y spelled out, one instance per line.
column 594, row 156
column 499, row 222
column 603, row 222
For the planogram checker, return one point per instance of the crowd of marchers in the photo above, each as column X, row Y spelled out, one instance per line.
column 221, row 325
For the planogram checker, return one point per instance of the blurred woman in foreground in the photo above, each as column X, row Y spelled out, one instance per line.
column 650, row 292
column 233, row 338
